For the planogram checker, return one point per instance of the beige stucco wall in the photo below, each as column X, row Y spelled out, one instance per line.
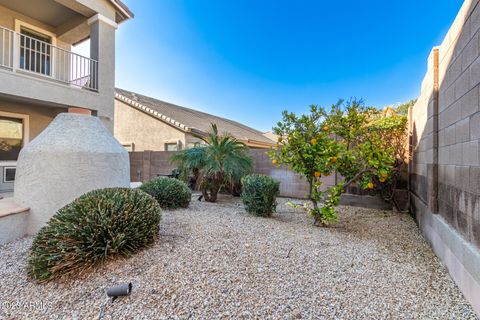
column 39, row 117
column 7, row 20
column 191, row 139
column 35, row 87
column 104, row 7
column 146, row 132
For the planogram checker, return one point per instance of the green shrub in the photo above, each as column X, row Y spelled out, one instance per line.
column 170, row 193
column 95, row 227
column 259, row 193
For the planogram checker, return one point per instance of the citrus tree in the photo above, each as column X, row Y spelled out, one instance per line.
column 307, row 147
column 351, row 139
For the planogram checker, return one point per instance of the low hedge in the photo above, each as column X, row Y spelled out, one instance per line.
column 169, row 192
column 93, row 228
column 259, row 194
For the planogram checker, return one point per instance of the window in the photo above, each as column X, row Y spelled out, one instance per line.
column 191, row 145
column 9, row 174
column 36, row 48
column 11, row 138
column 171, row 147
column 13, row 135
column 35, row 51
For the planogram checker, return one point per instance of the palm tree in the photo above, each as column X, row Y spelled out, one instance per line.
column 223, row 160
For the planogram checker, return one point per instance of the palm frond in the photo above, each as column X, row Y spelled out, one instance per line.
column 223, row 159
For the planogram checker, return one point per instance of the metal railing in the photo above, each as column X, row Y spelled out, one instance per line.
column 19, row 52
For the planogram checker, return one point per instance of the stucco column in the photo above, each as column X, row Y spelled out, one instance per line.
column 102, row 49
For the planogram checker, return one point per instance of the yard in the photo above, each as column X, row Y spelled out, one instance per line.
column 213, row 260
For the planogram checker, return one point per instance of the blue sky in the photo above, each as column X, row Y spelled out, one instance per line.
column 249, row 60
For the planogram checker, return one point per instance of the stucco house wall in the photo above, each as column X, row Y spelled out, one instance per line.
column 102, row 43
column 35, row 120
column 103, row 7
column 143, row 130
column 68, row 83
column 191, row 140
column 8, row 17
column 145, row 123
column 188, row 122
column 39, row 117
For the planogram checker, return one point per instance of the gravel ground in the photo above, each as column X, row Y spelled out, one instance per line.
column 213, row 261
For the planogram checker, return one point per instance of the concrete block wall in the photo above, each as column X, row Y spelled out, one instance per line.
column 456, row 75
column 445, row 160
column 291, row 184
column 148, row 164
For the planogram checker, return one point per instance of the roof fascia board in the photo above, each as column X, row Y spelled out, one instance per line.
column 154, row 113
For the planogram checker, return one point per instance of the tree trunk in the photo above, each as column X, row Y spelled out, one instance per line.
column 196, row 179
column 213, row 196
column 316, row 217
column 310, row 188
column 205, row 194
column 214, row 192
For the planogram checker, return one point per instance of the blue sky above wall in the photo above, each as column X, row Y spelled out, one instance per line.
column 249, row 60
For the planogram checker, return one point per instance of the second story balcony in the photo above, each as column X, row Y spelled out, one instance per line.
column 35, row 54
column 41, row 75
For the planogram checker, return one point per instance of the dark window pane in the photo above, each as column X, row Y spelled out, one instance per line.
column 9, row 174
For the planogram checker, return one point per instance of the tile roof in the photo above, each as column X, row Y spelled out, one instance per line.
column 190, row 120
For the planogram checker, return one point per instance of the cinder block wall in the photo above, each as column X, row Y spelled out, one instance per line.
column 148, row 164
column 291, row 184
column 445, row 166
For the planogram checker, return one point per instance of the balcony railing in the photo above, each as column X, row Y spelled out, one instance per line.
column 19, row 52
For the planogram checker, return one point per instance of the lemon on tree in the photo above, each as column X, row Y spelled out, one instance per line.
column 350, row 138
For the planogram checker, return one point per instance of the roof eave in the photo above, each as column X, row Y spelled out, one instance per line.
column 123, row 10
column 259, row 144
column 153, row 113
column 194, row 131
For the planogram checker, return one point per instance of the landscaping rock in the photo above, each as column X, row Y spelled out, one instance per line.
column 214, row 261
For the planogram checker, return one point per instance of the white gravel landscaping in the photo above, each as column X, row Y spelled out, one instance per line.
column 214, row 261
